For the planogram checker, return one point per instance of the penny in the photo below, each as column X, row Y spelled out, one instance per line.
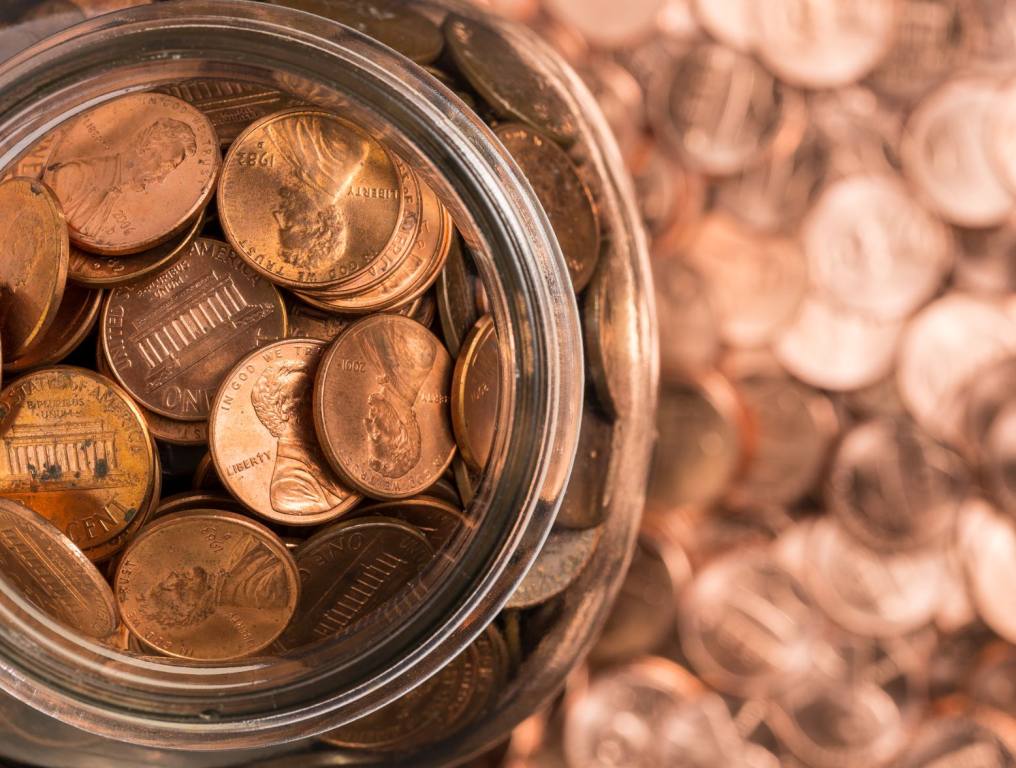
column 607, row 24
column 585, row 499
column 861, row 132
column 1000, row 458
column 475, row 394
column 306, row 322
column 189, row 501
column 51, row 573
column 230, row 105
column 261, row 436
column 872, row 248
column 729, row 21
column 174, row 431
column 171, row 338
column 94, row 271
column 208, row 586
column 381, row 407
column 701, row 445
column 444, row 490
column 718, row 109
column 350, row 572
column 947, row 741
column 689, row 329
column 77, row 450
column 563, row 557
column 564, row 196
column 33, row 269
column 460, row 693
column 620, row 98
column 440, row 520
column 307, row 199
column 815, row 44
column 133, row 172
column 755, row 284
column 671, row 197
column 392, row 23
column 500, row 73
column 465, row 481
column 206, row 478
column 1000, row 123
column 986, row 260
column 945, row 154
column 456, row 297
column 74, row 321
column 893, row 488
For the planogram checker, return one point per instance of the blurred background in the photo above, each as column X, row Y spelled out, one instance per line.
column 827, row 570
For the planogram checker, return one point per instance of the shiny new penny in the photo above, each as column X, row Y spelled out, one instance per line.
column 439, row 520
column 75, row 319
column 95, row 271
column 945, row 153
column 818, row 44
column 261, row 436
column 476, row 388
column 77, row 450
column 133, row 172
column 50, row 571
column 381, row 407
column 564, row 556
column 33, row 267
column 488, row 59
column 172, row 337
column 207, row 586
column 564, row 196
column 307, row 199
column 349, row 572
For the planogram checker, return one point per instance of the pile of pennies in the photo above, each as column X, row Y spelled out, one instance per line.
column 821, row 580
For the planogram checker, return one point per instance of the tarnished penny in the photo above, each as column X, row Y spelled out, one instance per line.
column 95, row 271
column 381, row 407
column 585, row 497
column 77, row 450
column 50, row 571
column 476, row 387
column 33, row 267
column 307, row 199
column 564, row 196
column 133, row 172
column 208, row 586
column 490, row 62
column 172, row 337
column 439, row 520
column 261, row 436
column 349, row 571
column 456, row 297
column 75, row 319
column 564, row 556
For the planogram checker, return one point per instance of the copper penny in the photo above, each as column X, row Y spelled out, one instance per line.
column 953, row 741
column 33, row 268
column 476, row 387
column 729, row 21
column 689, row 327
column 262, row 440
column 381, row 407
column 504, row 78
column 75, row 319
column 206, row 477
column 95, row 271
column 586, row 496
column 986, row 261
column 894, row 488
column 671, row 196
column 816, row 44
column 208, row 586
column 441, row 521
column 306, row 322
column 564, row 196
column 174, row 431
column 77, row 450
column 50, row 571
column 999, row 459
column 133, row 172
column 189, row 501
column 171, row 338
column 349, row 572
column 563, row 557
column 308, row 200
column 444, row 490
column 606, row 24
column 33, row 162
column 456, row 297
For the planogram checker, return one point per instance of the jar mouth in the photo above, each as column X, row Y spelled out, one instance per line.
column 252, row 703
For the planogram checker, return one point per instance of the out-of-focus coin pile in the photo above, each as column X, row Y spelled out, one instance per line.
column 822, row 578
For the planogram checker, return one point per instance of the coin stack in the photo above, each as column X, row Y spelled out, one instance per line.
column 820, row 580
column 252, row 378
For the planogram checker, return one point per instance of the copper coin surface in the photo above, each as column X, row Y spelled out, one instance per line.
column 476, row 387
column 33, row 268
column 564, row 556
column 307, row 322
column 689, row 327
column 565, row 197
column 95, row 271
column 75, row 319
column 501, row 75
column 133, row 172
column 50, row 571
column 441, row 521
column 953, row 741
column 262, row 439
column 206, row 477
column 729, row 21
column 349, row 572
column 77, row 450
column 1000, row 458
column 307, row 199
column 208, row 586
column 174, row 431
column 586, row 496
column 456, row 297
column 171, row 338
column 33, row 162
column 189, row 501
column 381, row 407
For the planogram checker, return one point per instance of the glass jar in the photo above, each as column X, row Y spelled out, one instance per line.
column 67, row 701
